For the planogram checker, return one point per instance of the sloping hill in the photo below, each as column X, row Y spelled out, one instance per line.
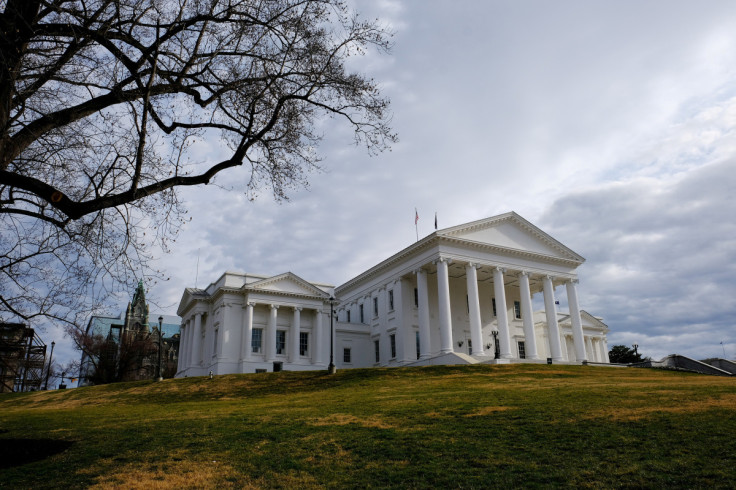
column 462, row 426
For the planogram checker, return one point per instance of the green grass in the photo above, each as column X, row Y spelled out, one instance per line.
column 456, row 427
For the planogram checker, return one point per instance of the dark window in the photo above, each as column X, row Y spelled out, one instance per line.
column 522, row 350
column 416, row 297
column 391, row 300
column 418, row 348
column 392, row 338
column 493, row 302
column 375, row 307
column 377, row 347
column 362, row 318
column 517, row 309
column 346, row 355
column 256, row 340
column 348, row 316
column 280, row 341
column 470, row 347
column 303, row 343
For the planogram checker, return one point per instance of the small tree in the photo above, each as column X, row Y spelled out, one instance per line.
column 624, row 355
column 102, row 102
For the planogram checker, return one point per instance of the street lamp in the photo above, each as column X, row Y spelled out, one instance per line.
column 331, row 368
column 636, row 350
column 48, row 369
column 495, row 343
column 160, row 343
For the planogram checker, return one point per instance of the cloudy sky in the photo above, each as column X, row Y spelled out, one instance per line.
column 610, row 125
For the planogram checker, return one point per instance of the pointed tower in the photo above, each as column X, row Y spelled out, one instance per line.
column 136, row 317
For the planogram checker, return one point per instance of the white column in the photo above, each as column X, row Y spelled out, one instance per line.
column 445, row 314
column 318, row 338
column 197, row 341
column 183, row 331
column 502, row 314
column 425, row 344
column 476, row 336
column 271, row 334
column 589, row 350
column 246, row 348
column 527, row 316
column 550, row 310
column 189, row 337
column 604, row 346
column 577, row 323
column 295, row 326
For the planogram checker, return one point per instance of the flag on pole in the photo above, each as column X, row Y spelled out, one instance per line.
column 416, row 216
column 435, row 220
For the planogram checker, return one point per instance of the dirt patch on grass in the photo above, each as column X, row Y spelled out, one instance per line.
column 692, row 406
column 487, row 411
column 347, row 419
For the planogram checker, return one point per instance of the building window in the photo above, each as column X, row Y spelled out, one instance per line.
column 493, row 302
column 256, row 340
column 280, row 341
column 392, row 339
column 418, row 348
column 346, row 355
column 517, row 309
column 391, row 300
column 362, row 317
column 377, row 347
column 348, row 316
column 375, row 307
column 416, row 297
column 303, row 343
column 470, row 347
column 522, row 350
column 214, row 345
column 467, row 303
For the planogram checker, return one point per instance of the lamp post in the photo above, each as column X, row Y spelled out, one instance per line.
column 331, row 368
column 160, row 344
column 636, row 350
column 48, row 368
column 495, row 343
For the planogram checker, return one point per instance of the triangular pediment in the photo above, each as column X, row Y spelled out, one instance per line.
column 511, row 231
column 287, row 283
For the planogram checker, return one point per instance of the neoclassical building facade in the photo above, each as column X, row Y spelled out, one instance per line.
column 460, row 295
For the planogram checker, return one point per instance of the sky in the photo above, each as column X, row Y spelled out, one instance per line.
column 609, row 125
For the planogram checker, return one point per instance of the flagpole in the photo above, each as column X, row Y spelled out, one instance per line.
column 416, row 220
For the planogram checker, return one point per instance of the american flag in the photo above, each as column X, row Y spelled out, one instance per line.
column 416, row 216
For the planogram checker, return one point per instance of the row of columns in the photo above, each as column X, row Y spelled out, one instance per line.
column 233, row 347
column 504, row 336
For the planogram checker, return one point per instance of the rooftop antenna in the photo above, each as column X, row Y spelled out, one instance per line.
column 196, row 274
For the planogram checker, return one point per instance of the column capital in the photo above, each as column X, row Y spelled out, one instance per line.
column 472, row 265
column 297, row 308
column 500, row 269
column 418, row 270
column 574, row 281
column 442, row 259
column 524, row 273
column 274, row 307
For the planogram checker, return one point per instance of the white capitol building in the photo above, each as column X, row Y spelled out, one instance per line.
column 460, row 295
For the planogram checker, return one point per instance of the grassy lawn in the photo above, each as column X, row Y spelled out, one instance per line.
column 456, row 427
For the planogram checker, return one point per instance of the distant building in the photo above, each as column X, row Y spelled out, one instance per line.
column 22, row 358
column 125, row 348
column 460, row 295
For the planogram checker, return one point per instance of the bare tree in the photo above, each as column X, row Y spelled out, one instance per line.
column 103, row 101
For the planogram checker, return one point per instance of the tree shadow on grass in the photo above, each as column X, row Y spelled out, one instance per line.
column 17, row 452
